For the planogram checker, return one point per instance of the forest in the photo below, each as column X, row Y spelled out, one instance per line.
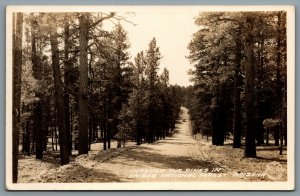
column 76, row 84
column 239, row 78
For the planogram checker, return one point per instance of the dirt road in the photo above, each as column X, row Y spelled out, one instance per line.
column 172, row 159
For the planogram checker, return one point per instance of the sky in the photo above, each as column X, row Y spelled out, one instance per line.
column 172, row 30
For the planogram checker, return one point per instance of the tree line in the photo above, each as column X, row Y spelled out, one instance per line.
column 239, row 78
column 74, row 84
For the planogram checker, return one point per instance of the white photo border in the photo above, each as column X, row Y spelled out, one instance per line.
column 288, row 185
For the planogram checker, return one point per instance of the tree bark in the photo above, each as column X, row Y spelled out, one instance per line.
column 83, row 86
column 284, row 96
column 109, row 117
column 250, row 146
column 17, row 72
column 59, row 99
column 67, row 70
column 237, row 94
column 260, row 105
column 278, row 65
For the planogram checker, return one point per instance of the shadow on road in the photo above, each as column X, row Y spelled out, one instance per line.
column 146, row 156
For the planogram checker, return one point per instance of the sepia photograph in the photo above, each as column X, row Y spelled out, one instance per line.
column 150, row 98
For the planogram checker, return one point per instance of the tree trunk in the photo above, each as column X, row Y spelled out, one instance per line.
column 83, row 86
column 56, row 136
column 38, row 131
column 67, row 117
column 267, row 137
column 214, row 127
column 27, row 139
column 26, row 133
column 218, row 126
column 17, row 72
column 284, row 96
column 105, row 128
column 71, row 129
column 138, row 135
column 59, row 99
column 278, row 65
column 109, row 119
column 37, row 111
column 67, row 70
column 95, row 136
column 250, row 146
column 281, row 139
column 237, row 95
column 90, row 132
column 52, row 138
column 260, row 104
column 33, row 141
column 277, row 135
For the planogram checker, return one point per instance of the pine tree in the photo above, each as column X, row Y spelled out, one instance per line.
column 152, row 59
column 83, row 89
column 59, row 98
column 17, row 72
column 250, row 146
column 221, row 42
